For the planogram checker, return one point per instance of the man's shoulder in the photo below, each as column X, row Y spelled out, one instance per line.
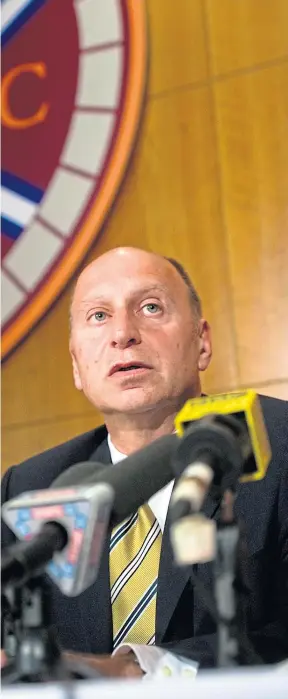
column 273, row 405
column 40, row 470
column 275, row 412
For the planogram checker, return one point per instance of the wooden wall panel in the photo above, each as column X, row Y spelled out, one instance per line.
column 252, row 113
column 37, row 383
column 244, row 33
column 279, row 389
column 177, row 47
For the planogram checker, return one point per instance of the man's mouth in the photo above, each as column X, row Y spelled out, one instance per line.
column 129, row 367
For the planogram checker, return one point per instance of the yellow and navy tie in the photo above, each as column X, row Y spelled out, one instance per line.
column 135, row 548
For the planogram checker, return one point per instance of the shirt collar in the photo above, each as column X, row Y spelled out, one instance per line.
column 116, row 455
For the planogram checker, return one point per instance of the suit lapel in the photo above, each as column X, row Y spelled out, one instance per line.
column 171, row 583
column 173, row 579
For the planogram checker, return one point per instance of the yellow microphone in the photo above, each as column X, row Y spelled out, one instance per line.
column 245, row 406
column 223, row 440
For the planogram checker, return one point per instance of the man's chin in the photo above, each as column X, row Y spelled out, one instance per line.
column 130, row 404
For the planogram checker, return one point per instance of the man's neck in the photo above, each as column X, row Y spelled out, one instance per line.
column 134, row 435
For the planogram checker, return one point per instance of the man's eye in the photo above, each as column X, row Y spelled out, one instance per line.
column 152, row 308
column 98, row 316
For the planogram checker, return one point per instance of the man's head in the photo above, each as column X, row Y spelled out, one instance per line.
column 133, row 308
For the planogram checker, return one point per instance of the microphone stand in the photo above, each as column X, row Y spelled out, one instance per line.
column 30, row 641
column 227, row 537
column 228, row 599
column 231, row 590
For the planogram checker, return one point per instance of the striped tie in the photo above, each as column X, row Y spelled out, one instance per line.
column 134, row 562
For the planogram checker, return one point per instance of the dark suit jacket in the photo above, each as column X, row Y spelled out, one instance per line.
column 183, row 625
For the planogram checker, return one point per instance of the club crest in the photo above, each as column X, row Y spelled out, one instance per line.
column 73, row 77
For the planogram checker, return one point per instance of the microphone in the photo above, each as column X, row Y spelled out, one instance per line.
column 243, row 406
column 223, row 440
column 61, row 529
column 68, row 522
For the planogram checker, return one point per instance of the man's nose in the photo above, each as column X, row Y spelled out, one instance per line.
column 125, row 331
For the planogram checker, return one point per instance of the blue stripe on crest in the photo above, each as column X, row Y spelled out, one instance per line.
column 25, row 13
column 19, row 186
column 11, row 229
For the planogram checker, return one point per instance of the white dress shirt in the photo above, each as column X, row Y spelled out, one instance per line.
column 155, row 661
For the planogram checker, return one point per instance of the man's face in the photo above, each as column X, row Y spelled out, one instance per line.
column 136, row 344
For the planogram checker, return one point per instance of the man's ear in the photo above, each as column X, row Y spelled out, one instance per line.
column 76, row 374
column 205, row 345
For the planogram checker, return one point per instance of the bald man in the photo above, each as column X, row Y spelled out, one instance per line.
column 138, row 343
